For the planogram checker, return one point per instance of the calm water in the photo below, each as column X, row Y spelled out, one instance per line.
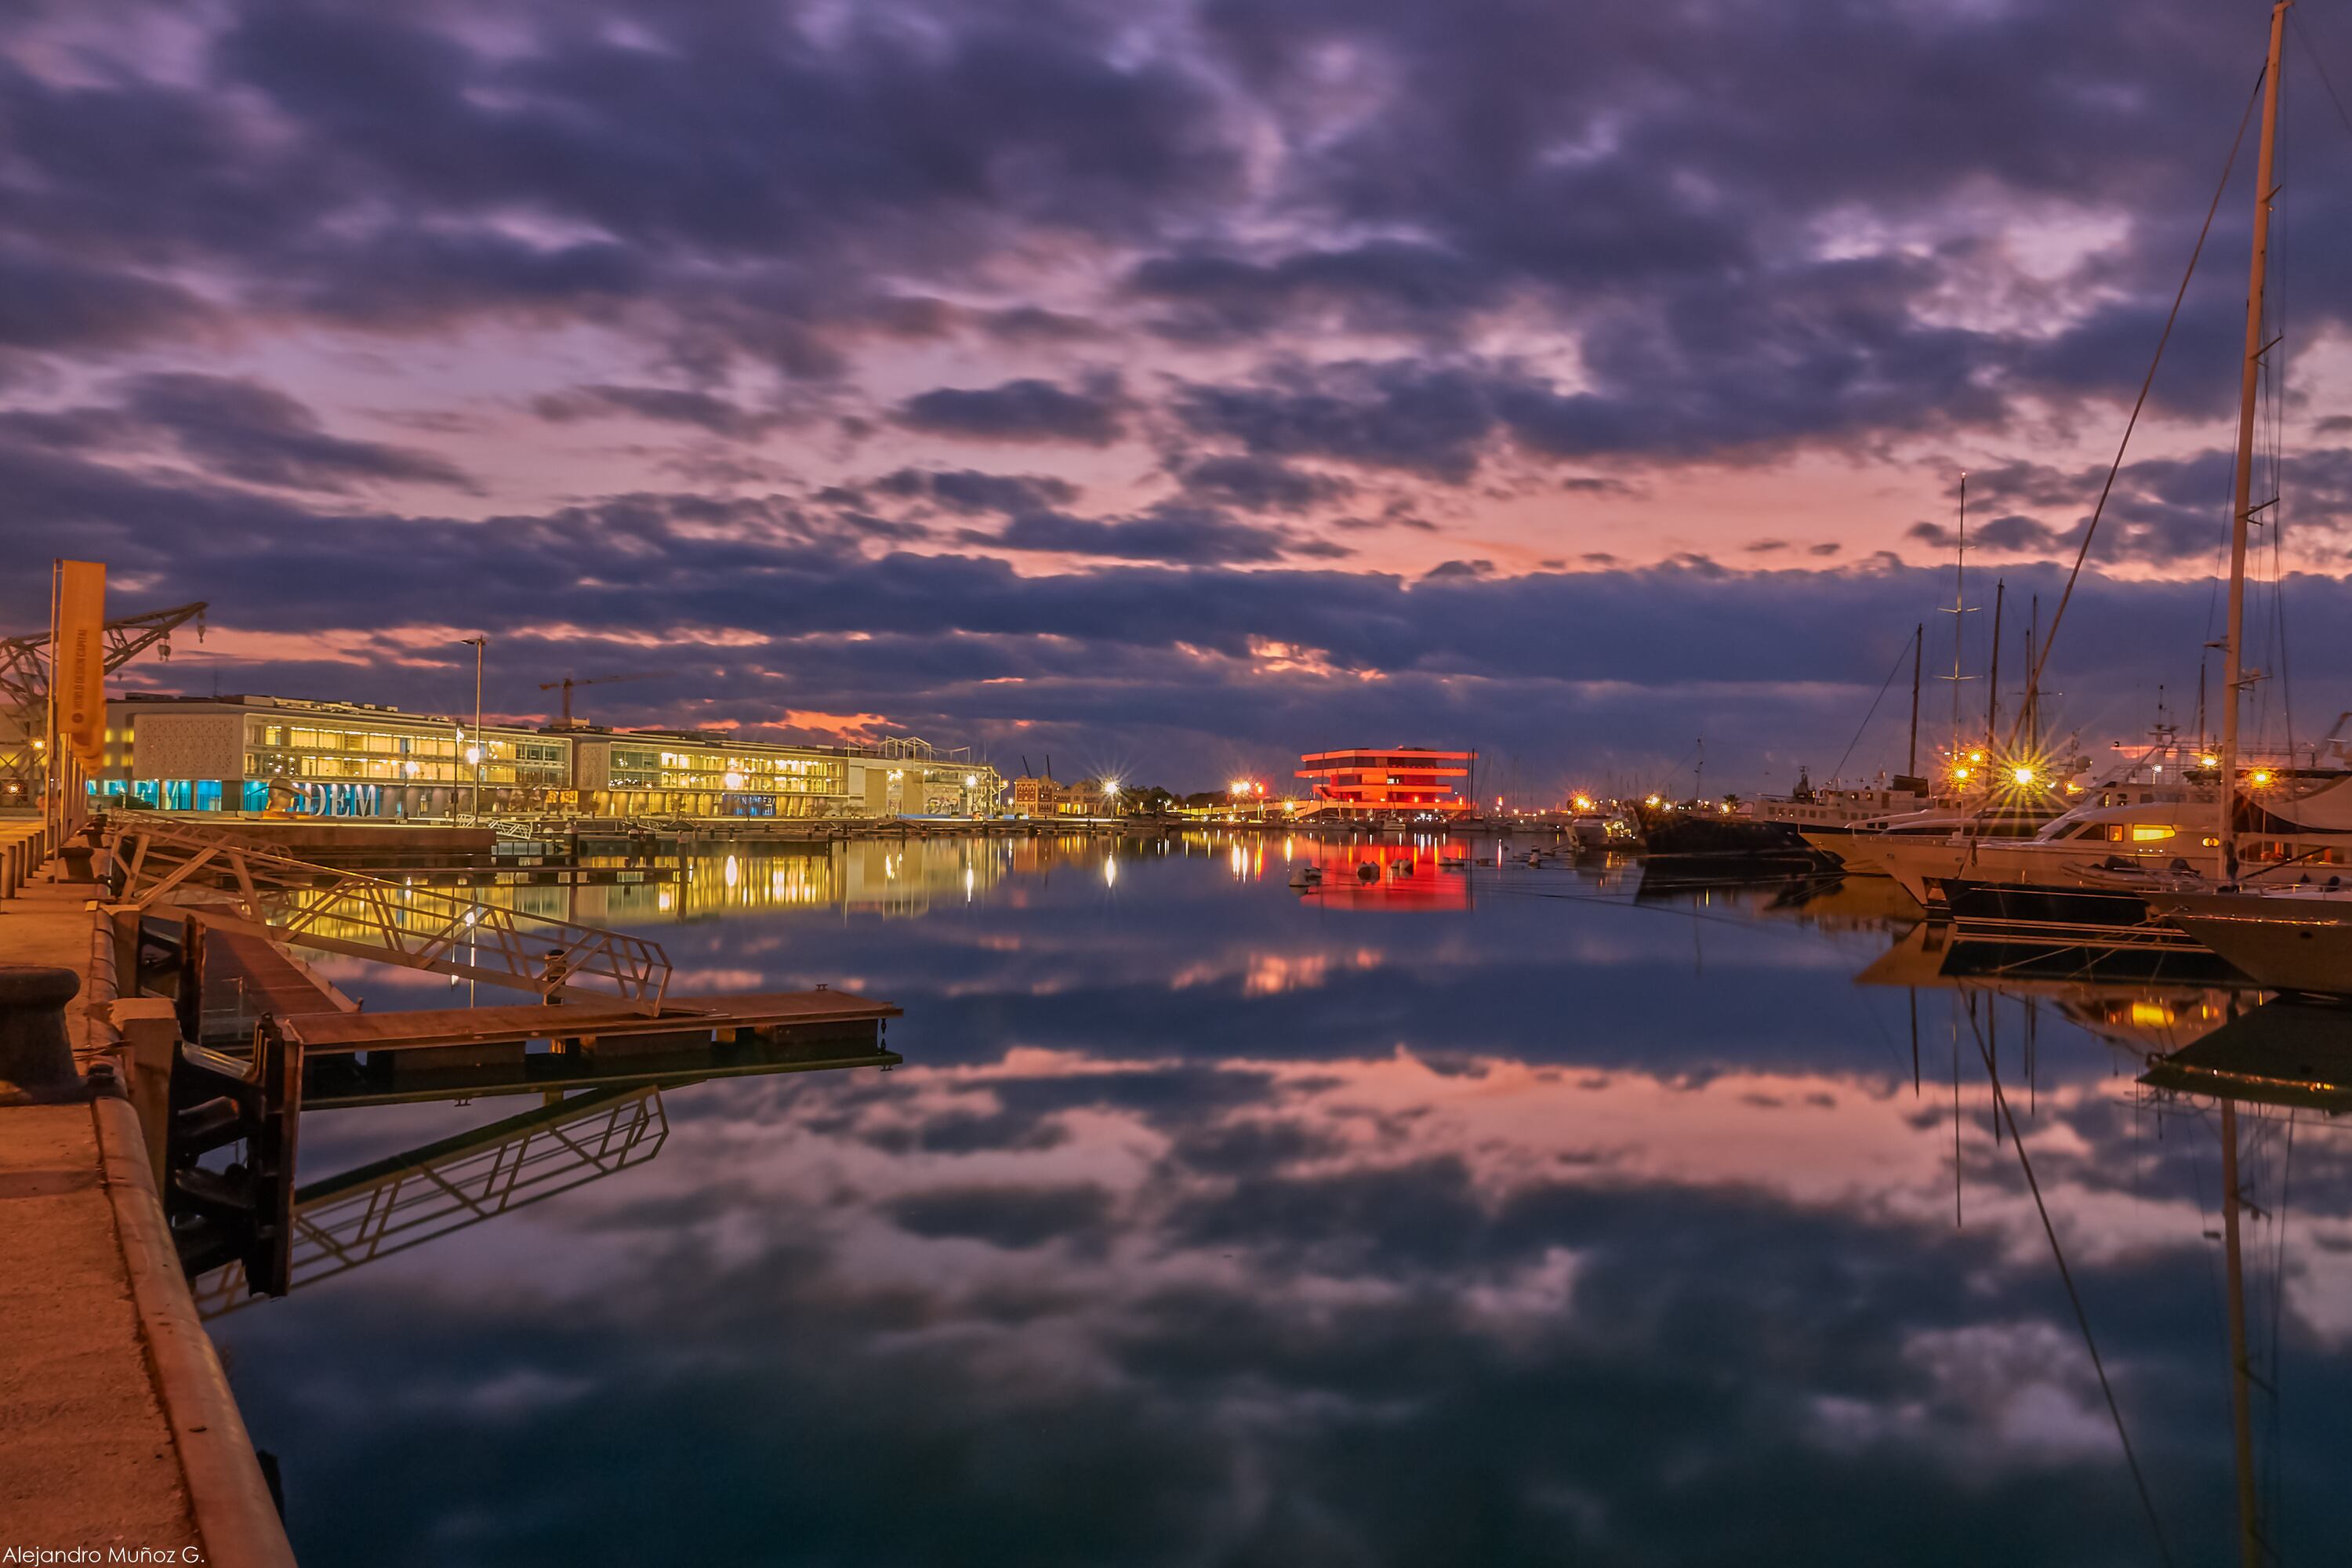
column 1496, row 1215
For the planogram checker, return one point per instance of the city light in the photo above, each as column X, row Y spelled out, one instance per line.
column 2209, row 760
column 1582, row 803
column 2022, row 775
column 473, row 753
column 1110, row 786
column 732, row 779
column 971, row 781
column 1960, row 772
column 1239, row 787
column 2259, row 777
column 1650, row 800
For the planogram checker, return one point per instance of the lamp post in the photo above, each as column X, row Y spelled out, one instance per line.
column 474, row 751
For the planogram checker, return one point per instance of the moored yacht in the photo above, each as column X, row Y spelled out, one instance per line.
column 2088, row 847
column 2294, row 938
column 1855, row 848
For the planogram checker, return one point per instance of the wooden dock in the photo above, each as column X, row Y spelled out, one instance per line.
column 116, row 1428
column 588, row 1022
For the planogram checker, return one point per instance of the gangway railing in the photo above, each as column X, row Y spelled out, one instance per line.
column 387, row 1208
column 272, row 894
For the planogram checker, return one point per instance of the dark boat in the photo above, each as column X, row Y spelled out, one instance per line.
column 1693, row 848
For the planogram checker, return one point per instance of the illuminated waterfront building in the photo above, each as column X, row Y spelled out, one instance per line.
column 1410, row 779
column 359, row 760
column 1039, row 794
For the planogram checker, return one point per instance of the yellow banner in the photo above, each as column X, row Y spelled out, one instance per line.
column 78, row 676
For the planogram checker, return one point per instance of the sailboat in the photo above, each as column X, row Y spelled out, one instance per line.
column 2096, row 870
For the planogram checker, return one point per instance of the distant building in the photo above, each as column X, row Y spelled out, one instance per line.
column 1040, row 795
column 359, row 760
column 1397, row 779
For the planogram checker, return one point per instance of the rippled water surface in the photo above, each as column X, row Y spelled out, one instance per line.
column 1470, row 1215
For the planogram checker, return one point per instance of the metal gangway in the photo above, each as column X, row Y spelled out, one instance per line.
column 233, row 882
column 349, row 1220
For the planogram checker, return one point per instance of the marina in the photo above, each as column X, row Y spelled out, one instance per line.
column 925, row 785
column 1020, row 1070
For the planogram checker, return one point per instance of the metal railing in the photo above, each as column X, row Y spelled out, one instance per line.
column 272, row 894
column 354, row 1219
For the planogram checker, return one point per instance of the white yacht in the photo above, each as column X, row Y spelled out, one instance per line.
column 2162, row 825
column 1856, row 848
column 2294, row 938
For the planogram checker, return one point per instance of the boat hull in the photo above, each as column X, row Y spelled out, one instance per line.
column 2307, row 950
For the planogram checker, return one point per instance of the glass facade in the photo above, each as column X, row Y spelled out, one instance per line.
column 398, row 753
column 675, row 779
column 277, row 755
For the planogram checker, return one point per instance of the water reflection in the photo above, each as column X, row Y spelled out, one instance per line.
column 1209, row 1221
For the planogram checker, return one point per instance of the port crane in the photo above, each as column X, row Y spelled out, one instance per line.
column 567, row 683
column 24, row 688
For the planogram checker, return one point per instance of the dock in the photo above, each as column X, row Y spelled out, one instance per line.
column 198, row 1026
column 116, row 1428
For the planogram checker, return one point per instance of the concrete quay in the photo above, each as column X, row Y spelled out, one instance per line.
column 117, row 1427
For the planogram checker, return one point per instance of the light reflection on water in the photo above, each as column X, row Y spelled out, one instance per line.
column 1456, row 1213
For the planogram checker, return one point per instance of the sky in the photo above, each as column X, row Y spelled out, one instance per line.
column 1174, row 387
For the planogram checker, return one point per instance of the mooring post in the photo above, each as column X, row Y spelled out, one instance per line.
column 35, row 1051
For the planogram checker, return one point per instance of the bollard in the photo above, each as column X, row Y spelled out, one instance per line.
column 35, row 1052
column 150, row 1027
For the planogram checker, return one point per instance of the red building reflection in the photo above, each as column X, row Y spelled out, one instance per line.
column 1428, row 874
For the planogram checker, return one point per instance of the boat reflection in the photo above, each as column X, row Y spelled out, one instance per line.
column 2283, row 1053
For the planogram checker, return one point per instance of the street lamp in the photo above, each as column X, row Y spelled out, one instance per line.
column 473, row 752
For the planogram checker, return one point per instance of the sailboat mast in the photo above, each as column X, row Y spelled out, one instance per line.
column 1918, row 642
column 1992, row 675
column 2241, row 1403
column 2241, row 491
column 2032, row 692
column 1960, row 604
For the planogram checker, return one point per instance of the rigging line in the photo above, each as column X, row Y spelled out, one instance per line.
column 1838, row 772
column 2319, row 68
column 2091, row 531
column 2081, row 1318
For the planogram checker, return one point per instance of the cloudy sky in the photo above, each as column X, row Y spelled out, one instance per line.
column 1167, row 387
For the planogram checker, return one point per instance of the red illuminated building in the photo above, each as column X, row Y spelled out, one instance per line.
column 1391, row 779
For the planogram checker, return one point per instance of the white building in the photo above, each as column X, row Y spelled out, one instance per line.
column 359, row 759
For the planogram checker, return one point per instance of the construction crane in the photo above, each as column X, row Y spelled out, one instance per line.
column 24, row 689
column 567, row 683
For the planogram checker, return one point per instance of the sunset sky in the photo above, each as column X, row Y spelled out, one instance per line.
column 1171, row 388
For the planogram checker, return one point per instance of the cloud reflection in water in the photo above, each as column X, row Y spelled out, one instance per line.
column 1211, row 1224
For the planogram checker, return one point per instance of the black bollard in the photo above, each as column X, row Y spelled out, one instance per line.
column 34, row 1050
